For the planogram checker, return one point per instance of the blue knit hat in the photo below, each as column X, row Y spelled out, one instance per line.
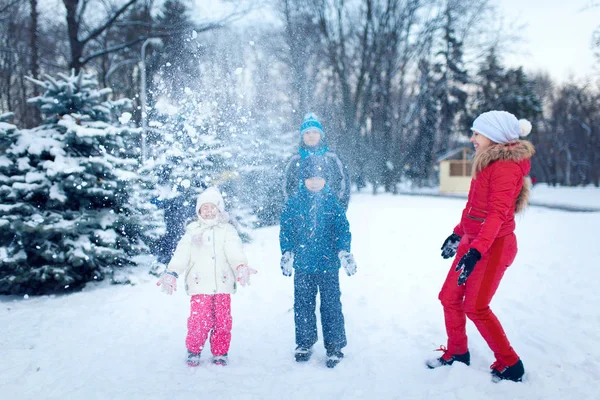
column 311, row 122
column 313, row 167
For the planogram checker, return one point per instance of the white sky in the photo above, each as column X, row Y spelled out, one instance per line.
column 556, row 36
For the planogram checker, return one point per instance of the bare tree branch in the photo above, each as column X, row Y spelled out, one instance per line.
column 112, row 49
column 8, row 5
column 170, row 30
column 108, row 22
column 141, row 24
column 141, row 39
column 81, row 11
column 25, row 54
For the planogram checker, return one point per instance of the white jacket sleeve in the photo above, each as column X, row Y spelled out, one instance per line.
column 234, row 250
column 181, row 258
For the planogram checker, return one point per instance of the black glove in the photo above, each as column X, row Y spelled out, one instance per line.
column 450, row 245
column 467, row 263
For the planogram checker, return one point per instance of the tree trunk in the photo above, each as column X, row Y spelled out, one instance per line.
column 34, row 67
column 74, row 16
column 10, row 67
column 73, row 31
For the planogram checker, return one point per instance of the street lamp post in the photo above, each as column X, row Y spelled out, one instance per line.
column 155, row 42
column 112, row 70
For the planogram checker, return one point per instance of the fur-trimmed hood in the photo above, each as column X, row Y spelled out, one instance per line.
column 519, row 152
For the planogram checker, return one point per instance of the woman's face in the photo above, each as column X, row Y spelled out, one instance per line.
column 315, row 184
column 208, row 211
column 311, row 137
column 480, row 142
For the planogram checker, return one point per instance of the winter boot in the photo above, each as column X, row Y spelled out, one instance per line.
column 193, row 359
column 333, row 358
column 448, row 359
column 302, row 354
column 502, row 372
column 220, row 360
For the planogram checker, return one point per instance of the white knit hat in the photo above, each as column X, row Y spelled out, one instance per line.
column 210, row 195
column 501, row 126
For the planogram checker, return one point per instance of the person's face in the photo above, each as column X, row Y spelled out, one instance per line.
column 314, row 184
column 312, row 137
column 480, row 142
column 208, row 211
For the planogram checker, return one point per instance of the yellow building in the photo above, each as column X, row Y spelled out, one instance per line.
column 455, row 170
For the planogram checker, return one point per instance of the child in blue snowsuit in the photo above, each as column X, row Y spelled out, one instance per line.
column 315, row 242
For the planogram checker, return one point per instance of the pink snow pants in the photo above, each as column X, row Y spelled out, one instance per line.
column 209, row 313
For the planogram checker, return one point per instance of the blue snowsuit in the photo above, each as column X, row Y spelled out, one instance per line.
column 315, row 229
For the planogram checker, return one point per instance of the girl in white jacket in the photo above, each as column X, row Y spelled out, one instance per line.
column 211, row 259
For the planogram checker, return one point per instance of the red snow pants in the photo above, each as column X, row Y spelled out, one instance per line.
column 473, row 299
column 209, row 313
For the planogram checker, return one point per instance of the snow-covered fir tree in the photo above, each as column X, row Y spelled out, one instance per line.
column 177, row 60
column 73, row 209
column 262, row 148
column 252, row 123
column 218, row 130
column 189, row 152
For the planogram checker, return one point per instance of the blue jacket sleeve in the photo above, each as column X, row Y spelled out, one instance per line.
column 343, row 237
column 287, row 236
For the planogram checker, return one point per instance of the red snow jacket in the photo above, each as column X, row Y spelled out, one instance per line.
column 498, row 190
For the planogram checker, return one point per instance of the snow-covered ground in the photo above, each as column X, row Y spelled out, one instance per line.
column 575, row 198
column 588, row 196
column 127, row 342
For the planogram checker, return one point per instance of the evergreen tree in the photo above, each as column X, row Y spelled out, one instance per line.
column 263, row 141
column 262, row 150
column 178, row 59
column 73, row 209
column 8, row 135
column 509, row 90
column 519, row 95
column 421, row 170
column 452, row 80
column 490, row 84
column 189, row 153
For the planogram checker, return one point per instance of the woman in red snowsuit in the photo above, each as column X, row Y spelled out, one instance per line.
column 484, row 241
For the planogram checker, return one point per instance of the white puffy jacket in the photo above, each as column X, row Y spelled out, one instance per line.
column 208, row 254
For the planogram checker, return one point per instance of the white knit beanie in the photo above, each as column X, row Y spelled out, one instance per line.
column 501, row 126
column 210, row 195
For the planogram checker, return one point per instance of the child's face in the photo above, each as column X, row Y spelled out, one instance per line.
column 315, row 184
column 311, row 137
column 480, row 142
column 208, row 211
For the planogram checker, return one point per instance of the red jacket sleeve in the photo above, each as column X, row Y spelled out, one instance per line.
column 459, row 230
column 505, row 180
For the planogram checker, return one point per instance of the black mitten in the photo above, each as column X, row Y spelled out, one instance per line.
column 450, row 245
column 467, row 264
